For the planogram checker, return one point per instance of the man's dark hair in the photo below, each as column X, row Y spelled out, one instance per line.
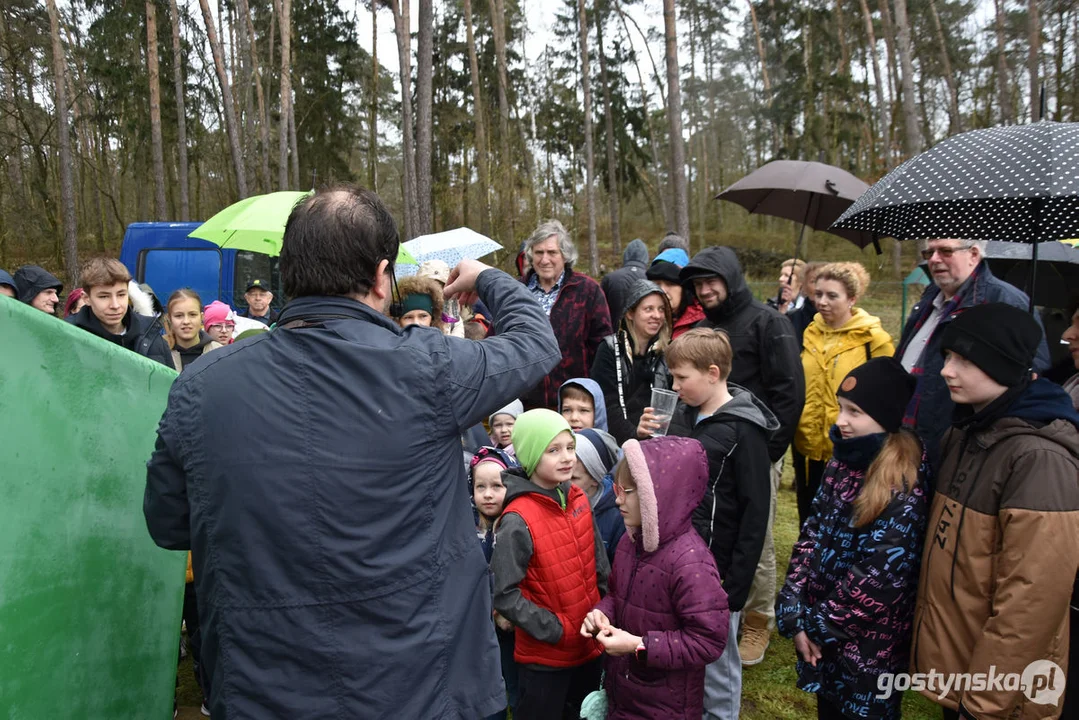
column 334, row 241
column 672, row 240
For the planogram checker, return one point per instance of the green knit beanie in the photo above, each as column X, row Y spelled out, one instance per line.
column 533, row 432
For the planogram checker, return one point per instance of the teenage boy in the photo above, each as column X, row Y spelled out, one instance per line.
column 1002, row 549
column 550, row 568
column 734, row 427
column 109, row 314
column 581, row 402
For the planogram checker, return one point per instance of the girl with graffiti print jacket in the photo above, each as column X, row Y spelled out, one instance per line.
column 848, row 601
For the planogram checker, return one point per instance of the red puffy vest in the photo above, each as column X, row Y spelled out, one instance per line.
column 561, row 576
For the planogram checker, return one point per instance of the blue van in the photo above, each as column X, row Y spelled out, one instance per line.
column 162, row 255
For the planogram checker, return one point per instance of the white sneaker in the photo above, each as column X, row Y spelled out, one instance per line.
column 204, row 710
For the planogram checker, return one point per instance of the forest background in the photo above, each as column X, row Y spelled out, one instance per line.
column 623, row 118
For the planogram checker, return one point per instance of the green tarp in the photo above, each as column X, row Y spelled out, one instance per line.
column 89, row 606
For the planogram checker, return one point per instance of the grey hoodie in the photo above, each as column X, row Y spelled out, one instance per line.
column 616, row 284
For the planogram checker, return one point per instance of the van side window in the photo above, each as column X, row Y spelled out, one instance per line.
column 256, row 266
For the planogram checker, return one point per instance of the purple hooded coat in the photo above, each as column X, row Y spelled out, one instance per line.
column 665, row 588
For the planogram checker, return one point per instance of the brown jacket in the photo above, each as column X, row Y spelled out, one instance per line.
column 999, row 561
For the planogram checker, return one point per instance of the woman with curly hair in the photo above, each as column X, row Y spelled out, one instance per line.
column 840, row 338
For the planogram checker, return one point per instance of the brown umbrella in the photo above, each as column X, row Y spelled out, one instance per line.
column 811, row 193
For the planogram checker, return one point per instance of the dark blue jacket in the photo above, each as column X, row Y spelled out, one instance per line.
column 609, row 518
column 930, row 410
column 337, row 567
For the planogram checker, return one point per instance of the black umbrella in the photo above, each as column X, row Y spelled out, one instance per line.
column 811, row 193
column 1017, row 183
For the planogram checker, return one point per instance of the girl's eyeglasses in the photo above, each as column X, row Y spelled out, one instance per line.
column 224, row 326
column 621, row 492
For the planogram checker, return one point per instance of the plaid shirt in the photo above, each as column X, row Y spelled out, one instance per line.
column 544, row 298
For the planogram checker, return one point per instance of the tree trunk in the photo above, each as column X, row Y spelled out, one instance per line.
column 888, row 30
column 424, row 100
column 613, row 196
column 67, row 183
column 401, row 21
column 660, row 189
column 912, row 138
column 372, row 121
column 481, row 124
column 284, row 21
column 506, row 182
column 674, row 119
column 226, row 101
column 181, row 120
column 294, row 154
column 1007, row 108
column 878, row 79
column 1034, row 44
column 761, row 55
column 157, row 145
column 264, row 122
column 7, row 79
column 956, row 122
column 590, row 180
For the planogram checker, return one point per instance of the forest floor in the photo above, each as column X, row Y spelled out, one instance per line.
column 769, row 690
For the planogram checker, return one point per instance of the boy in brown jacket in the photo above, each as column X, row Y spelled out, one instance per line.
column 1003, row 544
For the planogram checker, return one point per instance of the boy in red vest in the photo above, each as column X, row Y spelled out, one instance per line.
column 550, row 569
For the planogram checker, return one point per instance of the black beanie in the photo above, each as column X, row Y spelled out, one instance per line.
column 663, row 270
column 1000, row 339
column 882, row 389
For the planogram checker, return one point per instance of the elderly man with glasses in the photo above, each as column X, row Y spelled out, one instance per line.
column 961, row 279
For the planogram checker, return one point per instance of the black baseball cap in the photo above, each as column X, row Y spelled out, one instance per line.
column 257, row 284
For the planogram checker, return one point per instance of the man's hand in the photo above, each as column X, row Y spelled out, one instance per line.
column 807, row 649
column 594, row 622
column 618, row 642
column 462, row 281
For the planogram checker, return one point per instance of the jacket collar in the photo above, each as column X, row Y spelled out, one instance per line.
column 333, row 307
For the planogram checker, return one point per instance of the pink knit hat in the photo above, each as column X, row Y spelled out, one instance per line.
column 215, row 313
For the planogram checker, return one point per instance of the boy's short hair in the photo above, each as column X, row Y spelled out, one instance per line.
column 102, row 271
column 576, row 392
column 702, row 348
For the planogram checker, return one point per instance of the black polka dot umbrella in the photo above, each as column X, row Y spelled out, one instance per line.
column 1018, row 183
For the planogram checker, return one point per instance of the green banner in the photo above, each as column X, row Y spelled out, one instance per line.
column 89, row 606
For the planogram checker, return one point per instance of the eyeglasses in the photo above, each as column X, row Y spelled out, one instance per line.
column 621, row 492
column 944, row 252
column 224, row 326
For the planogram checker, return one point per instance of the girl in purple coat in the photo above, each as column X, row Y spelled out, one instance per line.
column 848, row 602
column 665, row 616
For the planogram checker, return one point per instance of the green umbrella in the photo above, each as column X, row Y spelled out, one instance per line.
column 257, row 224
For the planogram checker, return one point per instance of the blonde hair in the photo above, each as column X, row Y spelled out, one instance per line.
column 799, row 268
column 851, row 275
column 701, row 348
column 663, row 339
column 181, row 294
column 895, row 469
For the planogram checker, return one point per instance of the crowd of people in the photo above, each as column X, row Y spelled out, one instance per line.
column 591, row 557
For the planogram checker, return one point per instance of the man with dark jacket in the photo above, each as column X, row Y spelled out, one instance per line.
column 109, row 314
column 961, row 280
column 7, row 285
column 767, row 362
column 38, row 288
column 573, row 302
column 337, row 567
column 616, row 284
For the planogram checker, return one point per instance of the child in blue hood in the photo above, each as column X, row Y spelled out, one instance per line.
column 581, row 402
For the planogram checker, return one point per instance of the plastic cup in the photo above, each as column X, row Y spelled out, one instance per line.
column 663, row 404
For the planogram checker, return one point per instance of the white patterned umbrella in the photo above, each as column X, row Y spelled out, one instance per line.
column 451, row 247
column 1018, row 183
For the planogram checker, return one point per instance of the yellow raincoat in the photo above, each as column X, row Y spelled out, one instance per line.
column 827, row 356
